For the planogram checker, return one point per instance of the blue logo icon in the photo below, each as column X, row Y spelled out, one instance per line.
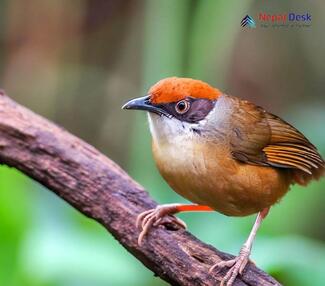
column 248, row 21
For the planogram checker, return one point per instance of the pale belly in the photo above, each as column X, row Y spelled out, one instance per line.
column 210, row 176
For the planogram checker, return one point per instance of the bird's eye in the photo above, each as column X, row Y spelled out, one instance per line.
column 182, row 106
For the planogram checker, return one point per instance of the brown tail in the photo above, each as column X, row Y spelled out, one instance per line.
column 302, row 178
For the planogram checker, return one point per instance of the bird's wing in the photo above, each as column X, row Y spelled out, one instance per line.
column 289, row 148
column 270, row 141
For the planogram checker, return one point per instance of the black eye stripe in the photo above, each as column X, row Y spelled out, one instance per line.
column 198, row 109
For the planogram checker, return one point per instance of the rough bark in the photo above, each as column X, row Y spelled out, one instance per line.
column 101, row 190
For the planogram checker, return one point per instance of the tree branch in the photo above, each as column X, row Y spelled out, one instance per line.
column 101, row 190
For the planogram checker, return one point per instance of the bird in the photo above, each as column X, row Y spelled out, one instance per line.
column 223, row 154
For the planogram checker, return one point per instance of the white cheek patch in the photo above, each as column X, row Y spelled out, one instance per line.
column 169, row 129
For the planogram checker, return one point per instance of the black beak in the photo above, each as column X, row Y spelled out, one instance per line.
column 143, row 103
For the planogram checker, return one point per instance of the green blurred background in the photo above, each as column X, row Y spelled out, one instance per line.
column 76, row 62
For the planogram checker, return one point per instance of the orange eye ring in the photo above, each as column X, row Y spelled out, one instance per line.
column 182, row 106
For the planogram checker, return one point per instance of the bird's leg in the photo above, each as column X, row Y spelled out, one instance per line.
column 238, row 264
column 162, row 214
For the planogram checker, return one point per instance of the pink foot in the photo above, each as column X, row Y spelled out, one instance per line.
column 237, row 266
column 155, row 217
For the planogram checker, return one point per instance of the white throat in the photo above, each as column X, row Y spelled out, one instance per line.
column 169, row 130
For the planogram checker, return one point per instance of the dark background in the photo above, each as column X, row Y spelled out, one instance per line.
column 76, row 63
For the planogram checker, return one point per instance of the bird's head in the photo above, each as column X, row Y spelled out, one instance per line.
column 177, row 106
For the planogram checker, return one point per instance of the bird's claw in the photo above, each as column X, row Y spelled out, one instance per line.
column 155, row 217
column 237, row 266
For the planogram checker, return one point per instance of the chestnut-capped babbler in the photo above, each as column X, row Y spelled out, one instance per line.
column 223, row 154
